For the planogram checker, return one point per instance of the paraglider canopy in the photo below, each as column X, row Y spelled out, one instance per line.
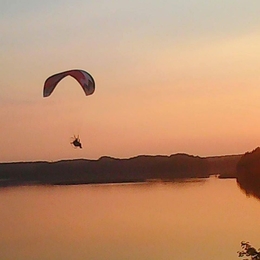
column 84, row 79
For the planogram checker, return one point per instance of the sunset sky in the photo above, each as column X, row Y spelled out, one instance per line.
column 171, row 76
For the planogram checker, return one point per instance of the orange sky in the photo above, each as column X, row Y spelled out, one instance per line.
column 172, row 78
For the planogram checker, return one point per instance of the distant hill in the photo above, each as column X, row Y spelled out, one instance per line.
column 248, row 173
column 224, row 166
column 113, row 170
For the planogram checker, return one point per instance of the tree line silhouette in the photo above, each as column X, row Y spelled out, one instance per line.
column 248, row 173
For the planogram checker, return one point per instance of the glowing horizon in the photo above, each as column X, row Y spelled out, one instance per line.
column 178, row 77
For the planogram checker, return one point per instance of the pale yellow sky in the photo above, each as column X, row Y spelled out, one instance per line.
column 172, row 78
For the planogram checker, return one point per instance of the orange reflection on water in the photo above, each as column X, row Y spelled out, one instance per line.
column 142, row 221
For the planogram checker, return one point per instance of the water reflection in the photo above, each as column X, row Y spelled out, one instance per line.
column 141, row 221
column 249, row 187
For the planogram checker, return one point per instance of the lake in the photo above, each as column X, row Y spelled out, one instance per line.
column 196, row 219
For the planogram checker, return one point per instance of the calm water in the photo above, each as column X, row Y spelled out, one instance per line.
column 156, row 221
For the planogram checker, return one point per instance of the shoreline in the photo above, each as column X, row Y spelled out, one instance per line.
column 108, row 170
column 15, row 183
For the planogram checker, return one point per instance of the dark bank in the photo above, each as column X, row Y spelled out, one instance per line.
column 113, row 170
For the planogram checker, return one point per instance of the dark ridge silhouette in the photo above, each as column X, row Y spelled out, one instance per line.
column 224, row 166
column 248, row 173
column 113, row 170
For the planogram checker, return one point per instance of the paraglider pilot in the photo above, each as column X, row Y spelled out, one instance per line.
column 76, row 142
